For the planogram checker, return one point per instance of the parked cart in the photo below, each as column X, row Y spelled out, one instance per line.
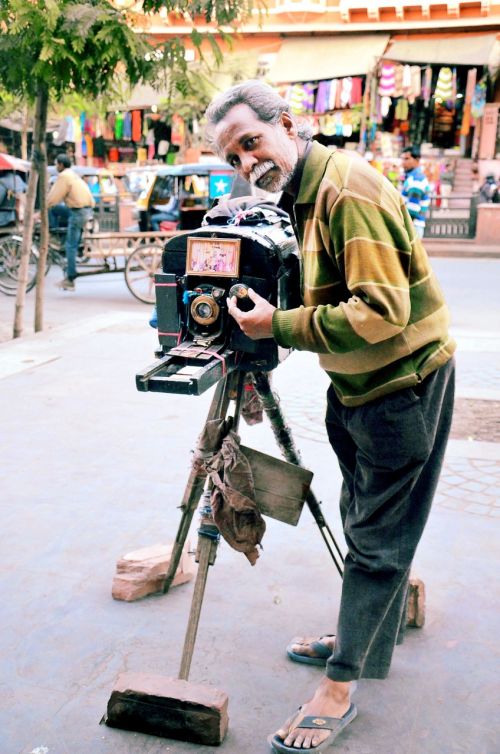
column 136, row 254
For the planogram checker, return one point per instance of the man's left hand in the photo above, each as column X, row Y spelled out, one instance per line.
column 257, row 323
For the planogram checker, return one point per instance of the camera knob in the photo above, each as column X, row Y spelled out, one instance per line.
column 240, row 290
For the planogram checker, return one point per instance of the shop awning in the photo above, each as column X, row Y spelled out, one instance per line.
column 316, row 58
column 465, row 49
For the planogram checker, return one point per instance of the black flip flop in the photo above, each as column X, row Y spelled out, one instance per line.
column 334, row 724
column 322, row 651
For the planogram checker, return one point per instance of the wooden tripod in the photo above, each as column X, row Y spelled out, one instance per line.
column 199, row 488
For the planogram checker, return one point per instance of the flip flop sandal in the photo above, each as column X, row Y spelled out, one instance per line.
column 322, row 651
column 334, row 724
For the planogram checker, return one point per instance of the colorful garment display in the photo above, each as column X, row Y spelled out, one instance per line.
column 387, row 80
column 301, row 98
column 479, row 99
column 444, row 85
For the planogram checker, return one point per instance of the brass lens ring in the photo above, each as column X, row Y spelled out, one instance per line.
column 204, row 310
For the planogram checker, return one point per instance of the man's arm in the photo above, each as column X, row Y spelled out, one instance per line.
column 371, row 247
column 58, row 191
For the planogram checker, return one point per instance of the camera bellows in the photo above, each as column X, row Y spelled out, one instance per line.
column 168, row 707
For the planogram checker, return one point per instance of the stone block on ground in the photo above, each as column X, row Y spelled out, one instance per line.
column 415, row 613
column 143, row 572
column 168, row 707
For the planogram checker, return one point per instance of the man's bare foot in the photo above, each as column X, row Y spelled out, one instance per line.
column 331, row 699
column 308, row 645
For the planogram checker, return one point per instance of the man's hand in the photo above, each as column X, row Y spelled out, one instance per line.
column 256, row 323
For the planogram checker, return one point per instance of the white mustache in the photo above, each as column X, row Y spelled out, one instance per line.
column 259, row 170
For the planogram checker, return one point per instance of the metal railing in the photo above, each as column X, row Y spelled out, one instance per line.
column 107, row 213
column 454, row 216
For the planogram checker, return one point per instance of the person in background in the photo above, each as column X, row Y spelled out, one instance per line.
column 489, row 190
column 416, row 189
column 168, row 212
column 71, row 190
column 11, row 188
column 446, row 183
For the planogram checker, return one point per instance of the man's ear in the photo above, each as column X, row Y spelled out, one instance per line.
column 289, row 124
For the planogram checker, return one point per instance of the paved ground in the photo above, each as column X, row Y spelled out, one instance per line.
column 92, row 469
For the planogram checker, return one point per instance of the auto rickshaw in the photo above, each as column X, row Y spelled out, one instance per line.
column 185, row 191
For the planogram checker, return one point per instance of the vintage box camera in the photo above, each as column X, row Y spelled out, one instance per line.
column 199, row 341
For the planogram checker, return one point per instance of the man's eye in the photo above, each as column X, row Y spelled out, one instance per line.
column 234, row 162
column 250, row 142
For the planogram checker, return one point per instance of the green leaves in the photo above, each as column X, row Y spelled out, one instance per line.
column 80, row 45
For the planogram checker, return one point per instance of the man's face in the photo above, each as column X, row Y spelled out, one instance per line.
column 264, row 154
column 408, row 162
column 59, row 167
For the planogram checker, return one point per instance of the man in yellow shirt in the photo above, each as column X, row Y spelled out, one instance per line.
column 76, row 195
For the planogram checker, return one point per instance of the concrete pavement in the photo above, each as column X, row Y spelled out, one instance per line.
column 92, row 469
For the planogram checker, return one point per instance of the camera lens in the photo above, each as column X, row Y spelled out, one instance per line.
column 204, row 311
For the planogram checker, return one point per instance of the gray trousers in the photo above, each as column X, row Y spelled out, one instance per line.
column 390, row 453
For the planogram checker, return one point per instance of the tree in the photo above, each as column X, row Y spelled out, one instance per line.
column 49, row 48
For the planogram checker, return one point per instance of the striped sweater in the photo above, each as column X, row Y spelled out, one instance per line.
column 373, row 309
column 417, row 196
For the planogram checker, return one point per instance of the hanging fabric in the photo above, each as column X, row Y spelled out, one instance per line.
column 322, row 97
column 398, row 80
column 387, row 80
column 426, row 88
column 345, row 93
column 402, row 109
column 385, row 105
column 407, row 86
column 89, row 144
column 127, row 126
column 77, row 137
column 178, row 130
column 333, row 94
column 357, row 90
column 454, row 85
column 301, row 98
column 444, row 85
column 136, row 125
column 119, row 126
column 471, row 85
column 479, row 99
column 416, row 83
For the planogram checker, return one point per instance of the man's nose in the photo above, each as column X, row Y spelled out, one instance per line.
column 248, row 162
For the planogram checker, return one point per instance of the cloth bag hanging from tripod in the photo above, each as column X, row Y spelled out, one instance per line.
column 233, row 496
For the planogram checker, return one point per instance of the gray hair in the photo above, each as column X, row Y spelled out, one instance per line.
column 261, row 98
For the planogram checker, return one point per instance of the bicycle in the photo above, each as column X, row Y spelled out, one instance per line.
column 10, row 258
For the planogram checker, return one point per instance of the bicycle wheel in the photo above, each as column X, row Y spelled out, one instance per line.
column 10, row 260
column 140, row 271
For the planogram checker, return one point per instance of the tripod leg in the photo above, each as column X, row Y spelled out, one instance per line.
column 194, row 488
column 207, row 549
column 286, row 444
column 208, row 539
